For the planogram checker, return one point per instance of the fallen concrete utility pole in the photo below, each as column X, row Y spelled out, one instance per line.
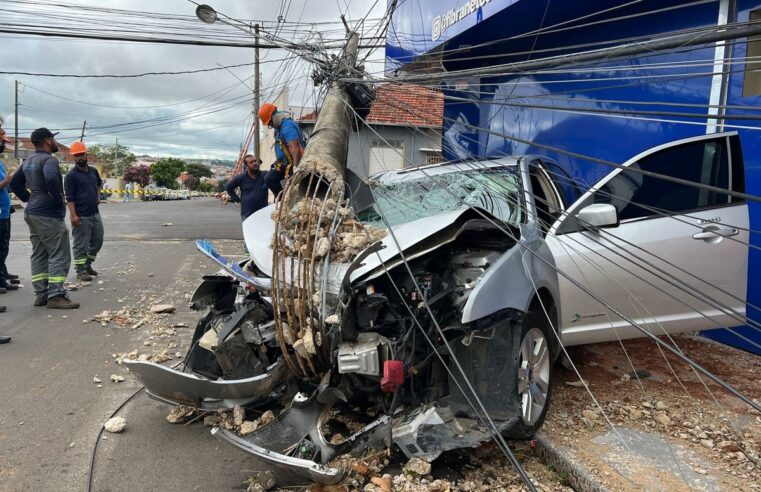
column 314, row 225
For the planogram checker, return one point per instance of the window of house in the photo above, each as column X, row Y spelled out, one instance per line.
column 752, row 78
column 385, row 155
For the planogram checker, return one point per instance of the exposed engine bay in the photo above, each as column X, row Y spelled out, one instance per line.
column 387, row 382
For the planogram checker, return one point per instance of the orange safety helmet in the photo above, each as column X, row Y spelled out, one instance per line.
column 77, row 148
column 266, row 111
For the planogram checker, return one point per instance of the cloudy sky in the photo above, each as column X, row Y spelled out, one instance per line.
column 203, row 115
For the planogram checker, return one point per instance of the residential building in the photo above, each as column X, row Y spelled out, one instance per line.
column 402, row 129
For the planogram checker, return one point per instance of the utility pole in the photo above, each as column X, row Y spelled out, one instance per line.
column 82, row 138
column 256, row 93
column 15, row 119
column 116, row 154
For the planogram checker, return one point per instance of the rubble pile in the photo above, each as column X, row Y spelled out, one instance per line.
column 310, row 224
column 482, row 469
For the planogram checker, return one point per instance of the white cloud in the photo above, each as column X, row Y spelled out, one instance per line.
column 215, row 135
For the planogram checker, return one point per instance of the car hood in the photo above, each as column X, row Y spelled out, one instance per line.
column 259, row 228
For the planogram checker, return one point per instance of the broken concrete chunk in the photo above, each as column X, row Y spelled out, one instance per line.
column 115, row 424
column 323, row 247
column 263, row 480
column 266, row 418
column 333, row 319
column 576, row 384
column 417, row 467
column 96, row 380
column 180, row 414
column 115, row 378
column 663, row 419
column 239, row 415
column 162, row 308
column 211, row 420
column 248, row 427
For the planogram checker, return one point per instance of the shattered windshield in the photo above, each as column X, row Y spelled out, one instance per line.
column 416, row 196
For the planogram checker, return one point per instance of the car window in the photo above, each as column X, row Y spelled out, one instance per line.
column 636, row 195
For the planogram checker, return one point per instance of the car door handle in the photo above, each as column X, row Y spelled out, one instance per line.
column 714, row 232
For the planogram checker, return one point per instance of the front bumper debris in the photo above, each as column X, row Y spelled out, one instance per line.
column 180, row 388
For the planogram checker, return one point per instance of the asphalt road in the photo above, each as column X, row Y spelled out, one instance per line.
column 50, row 409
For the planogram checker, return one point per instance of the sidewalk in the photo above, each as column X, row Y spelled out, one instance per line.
column 671, row 433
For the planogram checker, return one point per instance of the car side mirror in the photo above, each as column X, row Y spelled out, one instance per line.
column 598, row 215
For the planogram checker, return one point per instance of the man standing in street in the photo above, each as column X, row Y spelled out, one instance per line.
column 82, row 189
column 38, row 183
column 289, row 145
column 7, row 280
column 252, row 185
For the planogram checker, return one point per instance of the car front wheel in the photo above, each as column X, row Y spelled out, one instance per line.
column 534, row 375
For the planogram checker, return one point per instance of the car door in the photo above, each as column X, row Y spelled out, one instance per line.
column 678, row 259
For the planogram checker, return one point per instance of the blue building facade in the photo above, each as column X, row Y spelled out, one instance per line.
column 609, row 109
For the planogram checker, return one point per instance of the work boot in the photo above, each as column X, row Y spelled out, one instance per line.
column 84, row 277
column 9, row 286
column 5, row 340
column 41, row 301
column 2, row 309
column 3, row 290
column 14, row 281
column 62, row 302
column 92, row 272
column 10, row 276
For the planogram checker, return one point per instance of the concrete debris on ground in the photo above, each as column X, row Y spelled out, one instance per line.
column 180, row 414
column 96, row 380
column 116, row 378
column 235, row 420
column 481, row 469
column 261, row 481
column 115, row 424
column 162, row 308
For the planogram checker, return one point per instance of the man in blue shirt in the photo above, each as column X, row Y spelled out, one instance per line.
column 38, row 183
column 7, row 280
column 289, row 145
column 82, row 188
column 5, row 222
column 253, row 188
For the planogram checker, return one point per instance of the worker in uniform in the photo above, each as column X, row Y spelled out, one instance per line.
column 39, row 183
column 252, row 185
column 82, row 188
column 289, row 145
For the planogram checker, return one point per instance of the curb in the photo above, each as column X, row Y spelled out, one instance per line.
column 578, row 477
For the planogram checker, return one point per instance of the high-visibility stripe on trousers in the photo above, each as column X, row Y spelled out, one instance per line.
column 51, row 254
column 88, row 239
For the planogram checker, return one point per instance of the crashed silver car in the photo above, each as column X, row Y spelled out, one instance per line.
column 422, row 312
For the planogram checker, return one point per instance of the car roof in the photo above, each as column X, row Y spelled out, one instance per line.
column 443, row 168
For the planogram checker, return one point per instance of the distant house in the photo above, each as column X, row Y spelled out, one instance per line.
column 403, row 129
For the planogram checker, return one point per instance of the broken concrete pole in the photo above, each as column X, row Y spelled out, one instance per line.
column 115, row 424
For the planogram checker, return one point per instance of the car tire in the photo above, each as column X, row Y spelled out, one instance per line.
column 534, row 375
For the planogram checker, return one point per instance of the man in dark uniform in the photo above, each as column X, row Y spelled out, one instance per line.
column 38, row 183
column 82, row 188
column 253, row 188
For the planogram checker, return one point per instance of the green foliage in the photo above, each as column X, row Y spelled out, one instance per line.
column 166, row 171
column 198, row 170
column 115, row 158
column 206, row 187
column 221, row 185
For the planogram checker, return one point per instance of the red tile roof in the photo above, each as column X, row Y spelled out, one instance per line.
column 63, row 153
column 402, row 104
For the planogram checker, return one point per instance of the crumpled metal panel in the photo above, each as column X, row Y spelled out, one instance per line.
column 180, row 388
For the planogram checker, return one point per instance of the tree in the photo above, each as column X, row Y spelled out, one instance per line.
column 221, row 184
column 115, row 158
column 138, row 174
column 198, row 170
column 166, row 171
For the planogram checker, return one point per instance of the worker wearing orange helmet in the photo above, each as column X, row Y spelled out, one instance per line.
column 289, row 145
column 82, row 187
